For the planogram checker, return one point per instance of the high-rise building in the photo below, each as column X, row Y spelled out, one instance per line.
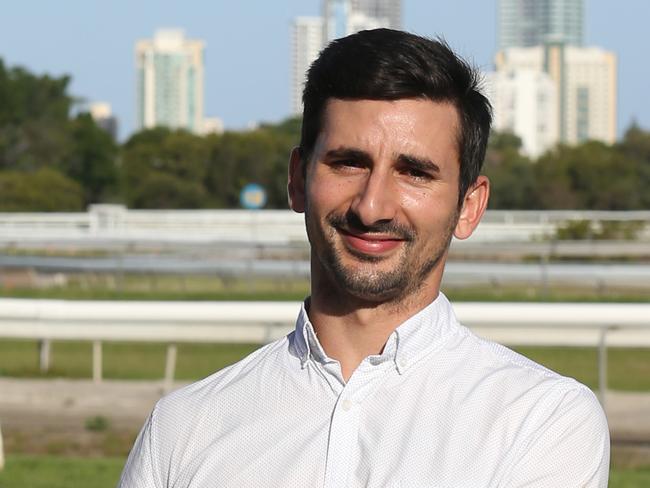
column 585, row 81
column 339, row 18
column 170, row 81
column 524, row 102
column 344, row 17
column 526, row 23
column 389, row 10
column 103, row 116
column 212, row 125
column 306, row 43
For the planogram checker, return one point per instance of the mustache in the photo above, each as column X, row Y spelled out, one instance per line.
column 350, row 222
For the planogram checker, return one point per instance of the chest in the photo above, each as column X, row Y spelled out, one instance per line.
column 390, row 434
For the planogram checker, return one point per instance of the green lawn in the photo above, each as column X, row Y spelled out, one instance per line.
column 61, row 472
column 19, row 358
column 628, row 369
column 630, row 478
column 193, row 287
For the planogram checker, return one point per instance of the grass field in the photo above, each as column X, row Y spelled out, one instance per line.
column 197, row 287
column 19, row 358
column 60, row 472
column 628, row 369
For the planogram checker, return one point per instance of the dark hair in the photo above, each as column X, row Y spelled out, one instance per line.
column 386, row 64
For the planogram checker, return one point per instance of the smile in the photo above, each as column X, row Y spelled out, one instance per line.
column 370, row 243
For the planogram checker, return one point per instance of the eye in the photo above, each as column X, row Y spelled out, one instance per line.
column 417, row 174
column 347, row 164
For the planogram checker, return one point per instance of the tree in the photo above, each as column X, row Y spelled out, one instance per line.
column 163, row 190
column 260, row 156
column 510, row 173
column 45, row 190
column 591, row 175
column 159, row 157
column 33, row 119
column 91, row 161
column 636, row 146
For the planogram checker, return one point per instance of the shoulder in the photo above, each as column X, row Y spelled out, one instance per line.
column 207, row 393
column 198, row 410
column 559, row 425
column 186, row 421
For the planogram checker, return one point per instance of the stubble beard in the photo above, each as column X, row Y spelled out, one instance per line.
column 365, row 281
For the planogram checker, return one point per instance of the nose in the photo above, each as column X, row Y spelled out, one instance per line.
column 376, row 200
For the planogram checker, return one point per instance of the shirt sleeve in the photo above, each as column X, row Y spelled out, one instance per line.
column 139, row 469
column 569, row 447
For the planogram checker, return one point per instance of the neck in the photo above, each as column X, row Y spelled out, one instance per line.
column 350, row 328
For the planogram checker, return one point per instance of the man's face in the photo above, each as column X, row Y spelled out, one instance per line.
column 380, row 195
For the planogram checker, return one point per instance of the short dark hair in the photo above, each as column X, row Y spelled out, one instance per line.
column 386, row 64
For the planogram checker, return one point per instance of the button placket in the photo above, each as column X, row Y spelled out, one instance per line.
column 344, row 431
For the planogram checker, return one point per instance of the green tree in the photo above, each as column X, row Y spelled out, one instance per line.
column 510, row 173
column 36, row 133
column 591, row 175
column 161, row 158
column 636, row 146
column 34, row 112
column 163, row 190
column 91, row 160
column 260, row 156
column 45, row 190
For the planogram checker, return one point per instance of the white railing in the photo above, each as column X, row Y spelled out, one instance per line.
column 545, row 324
column 567, row 324
column 116, row 222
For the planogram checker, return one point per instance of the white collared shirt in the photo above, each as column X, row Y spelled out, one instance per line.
column 439, row 408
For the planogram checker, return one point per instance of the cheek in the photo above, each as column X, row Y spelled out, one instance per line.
column 329, row 194
column 429, row 211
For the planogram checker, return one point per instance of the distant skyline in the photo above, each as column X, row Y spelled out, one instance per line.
column 247, row 56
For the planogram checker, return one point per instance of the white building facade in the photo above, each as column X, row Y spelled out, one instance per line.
column 306, row 43
column 525, row 103
column 585, row 84
column 527, row 23
column 388, row 11
column 170, row 74
column 339, row 18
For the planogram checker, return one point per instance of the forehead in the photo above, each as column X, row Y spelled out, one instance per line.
column 412, row 126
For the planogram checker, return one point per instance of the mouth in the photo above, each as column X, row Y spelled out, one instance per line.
column 370, row 242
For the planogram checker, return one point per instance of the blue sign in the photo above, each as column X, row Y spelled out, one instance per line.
column 252, row 196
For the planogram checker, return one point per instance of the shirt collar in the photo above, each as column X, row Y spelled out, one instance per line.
column 405, row 346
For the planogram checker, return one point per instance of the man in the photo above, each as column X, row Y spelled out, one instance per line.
column 379, row 386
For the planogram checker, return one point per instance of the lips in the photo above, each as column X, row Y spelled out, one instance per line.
column 369, row 243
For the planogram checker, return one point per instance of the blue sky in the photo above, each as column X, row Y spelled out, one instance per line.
column 247, row 53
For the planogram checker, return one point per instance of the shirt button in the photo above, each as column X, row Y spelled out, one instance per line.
column 402, row 363
column 346, row 405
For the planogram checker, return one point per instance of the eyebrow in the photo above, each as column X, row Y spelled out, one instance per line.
column 348, row 153
column 421, row 164
column 415, row 162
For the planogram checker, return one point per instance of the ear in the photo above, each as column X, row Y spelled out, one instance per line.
column 473, row 208
column 296, row 182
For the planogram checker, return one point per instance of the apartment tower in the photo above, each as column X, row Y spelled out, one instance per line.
column 170, row 81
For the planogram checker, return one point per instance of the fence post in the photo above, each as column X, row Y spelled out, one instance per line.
column 97, row 361
column 170, row 367
column 602, row 365
column 44, row 349
column 2, row 453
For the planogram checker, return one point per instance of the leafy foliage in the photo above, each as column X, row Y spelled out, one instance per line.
column 591, row 175
column 39, row 140
column 91, row 160
column 52, row 161
column 45, row 190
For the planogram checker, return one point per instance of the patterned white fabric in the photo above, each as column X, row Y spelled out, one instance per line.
column 439, row 408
